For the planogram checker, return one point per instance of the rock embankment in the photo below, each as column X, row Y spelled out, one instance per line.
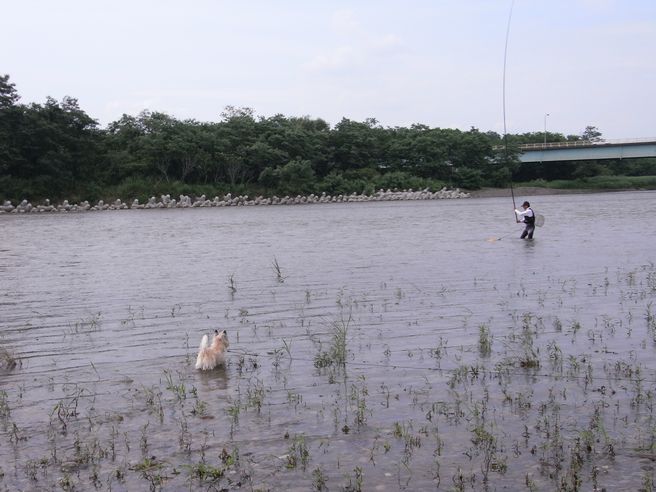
column 184, row 201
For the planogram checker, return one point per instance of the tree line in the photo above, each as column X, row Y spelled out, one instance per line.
column 56, row 150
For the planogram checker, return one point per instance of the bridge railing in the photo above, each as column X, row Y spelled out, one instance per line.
column 585, row 143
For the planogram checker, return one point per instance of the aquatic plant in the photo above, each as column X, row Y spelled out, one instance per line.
column 298, row 453
column 205, row 473
column 8, row 360
column 355, row 482
column 472, row 414
column 319, row 480
column 358, row 398
column 484, row 340
column 277, row 270
column 67, row 408
column 5, row 411
column 151, row 470
column 232, row 287
column 255, row 395
column 178, row 389
column 337, row 352
column 153, row 400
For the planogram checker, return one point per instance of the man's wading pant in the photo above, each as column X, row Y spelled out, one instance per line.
column 528, row 231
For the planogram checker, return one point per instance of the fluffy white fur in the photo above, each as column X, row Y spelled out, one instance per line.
column 212, row 355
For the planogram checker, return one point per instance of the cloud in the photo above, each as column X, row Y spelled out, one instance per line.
column 387, row 43
column 344, row 20
column 356, row 46
column 597, row 4
column 341, row 57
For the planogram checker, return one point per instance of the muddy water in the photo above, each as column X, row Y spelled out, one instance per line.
column 356, row 357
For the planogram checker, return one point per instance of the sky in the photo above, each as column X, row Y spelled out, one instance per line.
column 434, row 62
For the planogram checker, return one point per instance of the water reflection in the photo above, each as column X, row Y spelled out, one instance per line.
column 216, row 379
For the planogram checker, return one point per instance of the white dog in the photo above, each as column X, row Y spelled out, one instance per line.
column 212, row 355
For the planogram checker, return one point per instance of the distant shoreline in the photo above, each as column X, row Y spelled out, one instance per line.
column 520, row 193
column 528, row 191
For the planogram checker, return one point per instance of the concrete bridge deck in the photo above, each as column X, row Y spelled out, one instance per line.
column 588, row 150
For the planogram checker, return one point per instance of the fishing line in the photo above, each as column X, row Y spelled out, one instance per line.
column 499, row 238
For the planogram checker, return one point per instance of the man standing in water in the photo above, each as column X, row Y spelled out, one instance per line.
column 529, row 220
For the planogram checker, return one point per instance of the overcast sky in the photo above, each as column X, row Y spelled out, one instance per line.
column 436, row 62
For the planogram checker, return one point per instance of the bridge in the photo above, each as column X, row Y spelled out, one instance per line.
column 588, row 150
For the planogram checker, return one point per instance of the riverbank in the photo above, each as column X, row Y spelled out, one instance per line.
column 596, row 184
column 185, row 201
column 528, row 191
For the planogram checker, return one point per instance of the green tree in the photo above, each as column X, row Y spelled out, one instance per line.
column 238, row 132
column 591, row 134
column 55, row 149
column 154, row 147
column 356, row 145
column 295, row 177
column 420, row 151
column 8, row 95
column 123, row 140
column 294, row 139
column 11, row 121
column 466, row 177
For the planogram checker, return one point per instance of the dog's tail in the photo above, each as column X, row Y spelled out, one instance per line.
column 204, row 343
column 201, row 360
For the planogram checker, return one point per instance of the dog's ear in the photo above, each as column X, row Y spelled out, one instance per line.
column 216, row 332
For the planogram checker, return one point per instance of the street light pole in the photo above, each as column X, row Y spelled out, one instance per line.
column 545, row 129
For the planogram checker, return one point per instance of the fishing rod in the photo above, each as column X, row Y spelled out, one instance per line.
column 505, row 133
column 505, row 128
column 512, row 193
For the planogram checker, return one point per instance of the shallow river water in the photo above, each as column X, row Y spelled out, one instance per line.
column 373, row 346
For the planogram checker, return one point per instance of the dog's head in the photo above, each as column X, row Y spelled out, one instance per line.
column 222, row 336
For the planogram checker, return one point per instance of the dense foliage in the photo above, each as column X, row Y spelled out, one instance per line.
column 56, row 150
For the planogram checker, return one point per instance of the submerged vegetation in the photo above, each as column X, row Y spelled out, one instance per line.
column 56, row 151
column 554, row 391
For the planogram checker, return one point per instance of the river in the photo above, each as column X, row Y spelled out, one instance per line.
column 378, row 345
